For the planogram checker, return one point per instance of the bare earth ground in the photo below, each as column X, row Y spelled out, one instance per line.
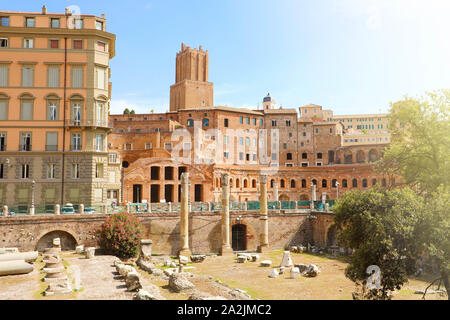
column 99, row 280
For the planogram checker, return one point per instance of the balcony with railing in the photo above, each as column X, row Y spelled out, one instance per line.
column 51, row 147
column 89, row 123
column 113, row 158
column 25, row 147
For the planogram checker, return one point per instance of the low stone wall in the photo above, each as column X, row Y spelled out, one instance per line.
column 35, row 232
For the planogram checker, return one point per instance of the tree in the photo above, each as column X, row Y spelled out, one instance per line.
column 132, row 112
column 126, row 111
column 420, row 154
column 379, row 225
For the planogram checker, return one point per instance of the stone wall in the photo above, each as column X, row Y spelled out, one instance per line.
column 33, row 232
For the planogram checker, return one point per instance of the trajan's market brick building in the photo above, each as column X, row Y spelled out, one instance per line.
column 54, row 105
column 296, row 149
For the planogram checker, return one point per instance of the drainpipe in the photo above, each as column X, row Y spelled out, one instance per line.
column 64, row 121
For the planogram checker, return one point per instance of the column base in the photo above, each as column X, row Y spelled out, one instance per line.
column 226, row 251
column 263, row 248
column 185, row 252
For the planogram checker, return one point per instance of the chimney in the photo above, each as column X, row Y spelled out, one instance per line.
column 44, row 10
column 103, row 16
column 68, row 13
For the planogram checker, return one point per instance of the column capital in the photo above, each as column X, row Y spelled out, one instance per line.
column 185, row 177
column 263, row 178
column 225, row 179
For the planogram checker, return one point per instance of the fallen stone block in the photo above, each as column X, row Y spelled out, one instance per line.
column 58, row 288
column 8, row 250
column 90, row 252
column 183, row 260
column 204, row 296
column 145, row 265
column 266, row 263
column 287, row 260
column 178, row 282
column 124, row 269
column 30, row 256
column 274, row 273
column 301, row 267
column 145, row 252
column 15, row 267
column 79, row 249
column 144, row 295
column 295, row 273
column 255, row 257
column 241, row 259
column 311, row 271
column 198, row 258
column 132, row 281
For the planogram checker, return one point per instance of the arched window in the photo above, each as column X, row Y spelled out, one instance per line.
column 314, row 181
column 245, row 183
column 303, row 183
column 190, row 123
column 383, row 182
column 253, row 183
column 292, row 183
column 333, row 183
column 374, row 182
column 364, row 183
column 205, row 122
column 271, row 183
column 282, row 183
column 355, row 183
column 324, row 183
column 237, row 183
column 344, row 183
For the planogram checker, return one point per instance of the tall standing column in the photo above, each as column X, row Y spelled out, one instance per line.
column 275, row 190
column 184, row 216
column 226, row 245
column 264, row 236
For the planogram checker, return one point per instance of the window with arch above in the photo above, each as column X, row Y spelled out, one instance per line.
column 354, row 183
column 324, row 183
column 374, row 182
column 205, row 122
column 282, row 183
column 190, row 123
column 292, row 183
column 344, row 183
column 303, row 183
column 364, row 183
column 333, row 183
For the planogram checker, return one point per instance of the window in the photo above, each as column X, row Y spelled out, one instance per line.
column 241, row 141
column 128, row 146
column 4, row 21
column 225, row 155
column 225, row 123
column 148, row 145
column 274, row 156
column 247, row 156
column 205, row 122
column 254, row 121
column 4, row 75
column 101, row 46
column 344, row 183
column 304, row 133
column 99, row 142
column 304, row 155
column 27, row 76
column 76, row 113
column 247, row 142
column 79, row 24
column 3, row 43
column 190, row 123
column 292, row 183
column 319, row 155
column 77, row 77
column 99, row 170
column 364, row 183
column 254, row 157
column 54, row 23
column 52, row 141
column 99, row 25
column 52, row 111
column 241, row 120
column 303, row 183
column 317, row 130
column 25, row 171
column 374, row 182
column 241, row 156
column 168, row 146
column 261, row 122
column 284, row 146
column 53, row 76
column 289, row 156
column 1, row 171
column 54, row 43
column 26, row 110
column 318, row 164
column 304, row 164
column 2, row 141
column 101, row 78
column 225, row 139
column 51, row 171
column 274, row 123
column 3, row 110
column 29, row 22
column 75, row 174
column 354, row 183
column 288, row 123
column 247, row 120
column 77, row 44
column 28, row 43
column 75, row 142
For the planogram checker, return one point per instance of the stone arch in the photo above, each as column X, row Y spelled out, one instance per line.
column 239, row 237
column 283, row 197
column 304, row 197
column 348, row 157
column 373, row 155
column 332, row 236
column 68, row 240
column 360, row 156
column 252, row 240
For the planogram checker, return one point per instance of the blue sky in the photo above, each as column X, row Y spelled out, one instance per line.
column 351, row 56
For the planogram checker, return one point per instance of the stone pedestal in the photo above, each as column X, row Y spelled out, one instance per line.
column 226, row 243
column 184, row 216
column 57, row 209
column 32, row 211
column 90, row 252
column 81, row 209
column 5, row 211
column 146, row 250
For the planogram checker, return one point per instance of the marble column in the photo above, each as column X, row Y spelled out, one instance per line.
column 264, row 236
column 275, row 190
column 226, row 244
column 184, row 216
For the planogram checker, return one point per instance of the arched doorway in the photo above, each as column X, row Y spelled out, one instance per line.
column 284, row 197
column 68, row 242
column 239, row 237
column 331, row 236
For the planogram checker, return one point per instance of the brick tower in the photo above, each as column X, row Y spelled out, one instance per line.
column 191, row 88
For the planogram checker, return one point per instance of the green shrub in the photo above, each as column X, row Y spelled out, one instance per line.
column 120, row 235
